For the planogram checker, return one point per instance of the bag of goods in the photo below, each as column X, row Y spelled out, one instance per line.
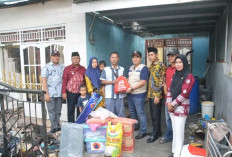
column 121, row 85
column 102, row 114
column 113, row 140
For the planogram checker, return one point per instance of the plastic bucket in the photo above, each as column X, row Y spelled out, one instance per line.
column 207, row 108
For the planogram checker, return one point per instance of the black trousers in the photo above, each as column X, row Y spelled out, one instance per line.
column 72, row 103
column 155, row 110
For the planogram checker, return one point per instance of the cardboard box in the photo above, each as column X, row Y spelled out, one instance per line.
column 128, row 131
column 128, row 145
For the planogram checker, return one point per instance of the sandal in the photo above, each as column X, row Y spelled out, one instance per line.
column 163, row 140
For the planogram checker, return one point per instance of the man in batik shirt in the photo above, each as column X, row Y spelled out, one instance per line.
column 52, row 83
column 73, row 77
column 155, row 92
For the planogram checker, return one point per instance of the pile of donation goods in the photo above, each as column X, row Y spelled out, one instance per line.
column 101, row 131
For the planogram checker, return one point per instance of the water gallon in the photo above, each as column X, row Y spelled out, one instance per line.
column 194, row 97
column 207, row 108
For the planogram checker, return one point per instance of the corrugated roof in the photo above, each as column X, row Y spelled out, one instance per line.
column 174, row 18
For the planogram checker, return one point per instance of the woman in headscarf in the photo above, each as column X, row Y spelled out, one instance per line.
column 178, row 101
column 92, row 78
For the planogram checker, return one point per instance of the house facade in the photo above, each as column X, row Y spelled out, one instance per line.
column 28, row 34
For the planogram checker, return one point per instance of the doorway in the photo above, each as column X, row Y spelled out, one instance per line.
column 184, row 45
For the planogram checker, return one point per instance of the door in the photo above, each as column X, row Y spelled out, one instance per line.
column 33, row 58
column 31, row 68
column 164, row 45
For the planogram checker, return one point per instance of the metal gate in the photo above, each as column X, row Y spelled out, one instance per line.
column 20, row 134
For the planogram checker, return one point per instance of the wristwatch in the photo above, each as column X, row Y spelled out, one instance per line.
column 132, row 89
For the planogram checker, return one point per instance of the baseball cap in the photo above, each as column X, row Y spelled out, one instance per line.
column 173, row 52
column 55, row 53
column 136, row 53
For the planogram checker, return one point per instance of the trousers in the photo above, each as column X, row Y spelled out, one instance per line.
column 178, row 125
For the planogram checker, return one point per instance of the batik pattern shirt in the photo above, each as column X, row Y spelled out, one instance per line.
column 54, row 74
column 182, row 103
column 73, row 77
column 156, row 80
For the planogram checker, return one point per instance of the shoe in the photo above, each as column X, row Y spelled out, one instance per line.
column 136, row 127
column 152, row 134
column 152, row 139
column 58, row 129
column 52, row 131
column 163, row 140
column 171, row 155
column 140, row 135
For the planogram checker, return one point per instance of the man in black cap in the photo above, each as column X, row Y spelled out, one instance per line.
column 172, row 53
column 138, row 78
column 52, row 83
column 73, row 77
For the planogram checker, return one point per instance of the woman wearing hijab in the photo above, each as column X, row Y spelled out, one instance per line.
column 92, row 78
column 178, row 101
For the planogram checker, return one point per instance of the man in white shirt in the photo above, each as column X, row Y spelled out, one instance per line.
column 113, row 102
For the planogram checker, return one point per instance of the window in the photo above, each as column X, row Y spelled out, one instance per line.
column 50, row 48
column 10, row 65
column 164, row 45
column 32, row 67
column 33, row 35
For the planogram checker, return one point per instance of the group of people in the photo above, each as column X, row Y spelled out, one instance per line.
column 157, row 84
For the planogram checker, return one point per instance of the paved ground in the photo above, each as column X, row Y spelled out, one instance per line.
column 142, row 149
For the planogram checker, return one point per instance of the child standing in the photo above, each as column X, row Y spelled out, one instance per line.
column 83, row 99
column 102, row 65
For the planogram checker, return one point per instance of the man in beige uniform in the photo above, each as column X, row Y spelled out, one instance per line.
column 138, row 78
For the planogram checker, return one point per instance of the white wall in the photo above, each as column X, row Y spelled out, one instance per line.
column 51, row 13
column 218, row 77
